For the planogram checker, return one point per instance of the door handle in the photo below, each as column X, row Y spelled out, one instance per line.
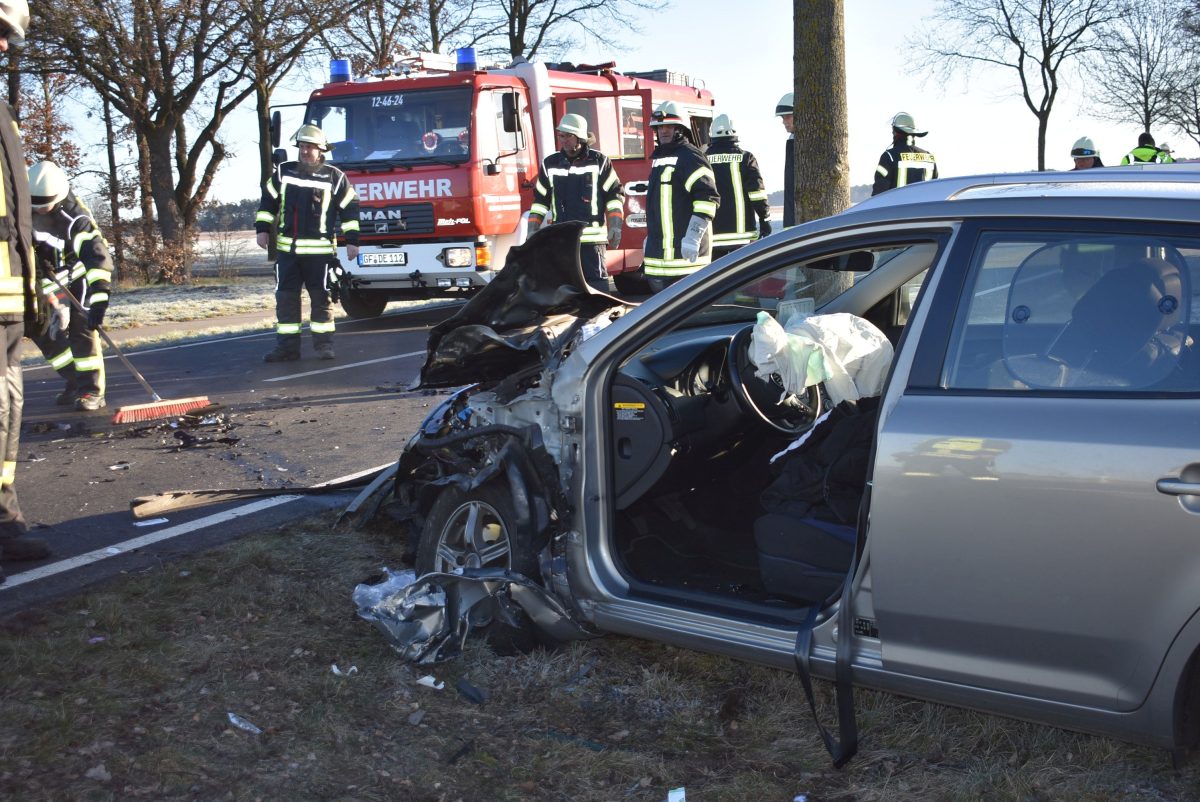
column 1177, row 487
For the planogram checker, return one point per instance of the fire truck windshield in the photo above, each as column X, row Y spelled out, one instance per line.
column 382, row 128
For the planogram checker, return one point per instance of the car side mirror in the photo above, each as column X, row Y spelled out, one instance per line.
column 276, row 124
column 278, row 156
column 491, row 168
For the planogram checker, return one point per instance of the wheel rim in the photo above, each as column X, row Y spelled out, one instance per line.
column 474, row 536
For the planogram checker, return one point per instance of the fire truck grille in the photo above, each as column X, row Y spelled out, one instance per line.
column 404, row 218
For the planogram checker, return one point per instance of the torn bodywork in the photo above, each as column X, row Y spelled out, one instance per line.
column 427, row 620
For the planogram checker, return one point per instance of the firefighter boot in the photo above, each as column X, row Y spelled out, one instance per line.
column 324, row 350
column 89, row 402
column 281, row 354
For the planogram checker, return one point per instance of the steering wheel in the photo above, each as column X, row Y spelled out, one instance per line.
column 765, row 398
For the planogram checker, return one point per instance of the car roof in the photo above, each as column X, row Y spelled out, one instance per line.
column 1137, row 192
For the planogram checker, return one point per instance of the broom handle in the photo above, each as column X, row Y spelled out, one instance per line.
column 137, row 375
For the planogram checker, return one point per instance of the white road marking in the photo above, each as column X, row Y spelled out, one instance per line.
column 343, row 367
column 116, row 549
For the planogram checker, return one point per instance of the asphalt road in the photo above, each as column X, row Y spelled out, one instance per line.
column 296, row 424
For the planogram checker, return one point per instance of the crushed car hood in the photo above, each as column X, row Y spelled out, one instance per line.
column 522, row 319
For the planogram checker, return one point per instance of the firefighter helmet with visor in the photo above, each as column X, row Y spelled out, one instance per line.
column 1084, row 148
column 669, row 113
column 313, row 135
column 723, row 126
column 785, row 106
column 48, row 185
column 573, row 124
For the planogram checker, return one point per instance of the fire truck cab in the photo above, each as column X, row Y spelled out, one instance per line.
column 444, row 156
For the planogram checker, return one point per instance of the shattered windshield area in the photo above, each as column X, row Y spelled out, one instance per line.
column 796, row 289
column 396, row 127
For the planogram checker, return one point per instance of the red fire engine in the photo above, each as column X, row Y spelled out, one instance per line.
column 444, row 156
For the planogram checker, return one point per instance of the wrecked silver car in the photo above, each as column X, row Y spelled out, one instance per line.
column 942, row 444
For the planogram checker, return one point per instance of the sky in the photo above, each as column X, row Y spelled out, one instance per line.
column 976, row 123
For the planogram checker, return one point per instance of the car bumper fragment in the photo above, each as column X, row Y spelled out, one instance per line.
column 427, row 620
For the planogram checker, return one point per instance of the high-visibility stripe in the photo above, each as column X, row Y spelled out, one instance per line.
column 539, row 209
column 98, row 297
column 664, row 213
column 98, row 274
column 287, row 328
column 594, row 233
column 349, row 225
column 9, row 472
column 758, row 195
column 61, row 360
column 704, row 207
column 264, row 217
column 699, row 173
column 88, row 364
column 734, row 238
column 881, row 170
column 308, row 183
column 320, row 328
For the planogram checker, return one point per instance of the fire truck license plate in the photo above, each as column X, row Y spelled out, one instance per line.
column 391, row 258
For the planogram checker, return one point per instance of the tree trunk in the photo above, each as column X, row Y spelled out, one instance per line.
column 1043, row 125
column 822, row 167
column 114, row 200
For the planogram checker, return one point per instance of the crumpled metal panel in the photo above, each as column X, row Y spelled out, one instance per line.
column 521, row 319
column 427, row 620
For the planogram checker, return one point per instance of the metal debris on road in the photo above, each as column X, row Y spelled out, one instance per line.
column 242, row 724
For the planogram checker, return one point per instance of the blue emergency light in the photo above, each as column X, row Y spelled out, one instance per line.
column 465, row 58
column 339, row 70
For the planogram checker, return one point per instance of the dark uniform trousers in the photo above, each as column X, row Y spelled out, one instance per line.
column 292, row 274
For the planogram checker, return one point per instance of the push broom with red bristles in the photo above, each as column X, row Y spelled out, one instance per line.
column 158, row 407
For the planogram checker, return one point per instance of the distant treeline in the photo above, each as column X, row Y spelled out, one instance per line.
column 236, row 216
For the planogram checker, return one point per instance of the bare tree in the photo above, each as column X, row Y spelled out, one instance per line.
column 526, row 28
column 279, row 34
column 1184, row 109
column 175, row 69
column 374, row 34
column 1035, row 39
column 44, row 127
column 442, row 24
column 1133, row 75
column 822, row 168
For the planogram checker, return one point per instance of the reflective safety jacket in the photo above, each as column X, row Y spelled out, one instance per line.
column 18, row 293
column 681, row 185
column 585, row 189
column 743, row 197
column 309, row 207
column 1144, row 154
column 903, row 164
column 70, row 241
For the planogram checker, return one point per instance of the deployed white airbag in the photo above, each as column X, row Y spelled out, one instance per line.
column 849, row 354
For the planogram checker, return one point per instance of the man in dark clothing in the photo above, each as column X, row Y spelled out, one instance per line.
column 785, row 111
column 1147, row 153
column 308, row 201
column 904, row 163
column 18, row 301
column 578, row 183
column 75, row 255
column 740, row 184
column 681, row 201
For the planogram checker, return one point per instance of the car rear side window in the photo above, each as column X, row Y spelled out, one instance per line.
column 1077, row 312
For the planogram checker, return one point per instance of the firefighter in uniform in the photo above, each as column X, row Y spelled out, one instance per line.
column 54, row 340
column 785, row 111
column 740, row 184
column 75, row 256
column 307, row 201
column 578, row 183
column 18, row 301
column 681, row 201
column 1147, row 153
column 904, row 163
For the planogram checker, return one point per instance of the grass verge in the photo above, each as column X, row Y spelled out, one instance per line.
column 123, row 693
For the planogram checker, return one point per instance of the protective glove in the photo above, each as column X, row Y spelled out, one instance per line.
column 764, row 228
column 60, row 317
column 614, row 231
column 690, row 247
column 96, row 314
column 334, row 273
column 535, row 222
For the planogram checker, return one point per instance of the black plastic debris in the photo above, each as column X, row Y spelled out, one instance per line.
column 471, row 692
